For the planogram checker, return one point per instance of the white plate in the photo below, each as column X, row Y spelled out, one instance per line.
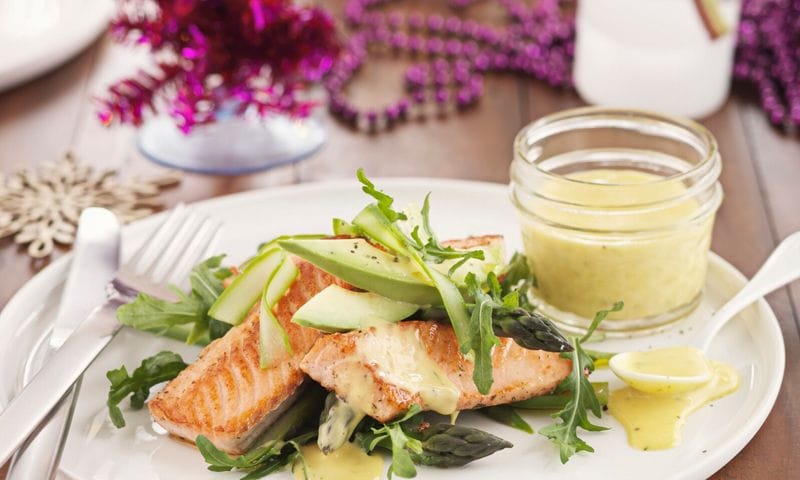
column 95, row 450
column 38, row 35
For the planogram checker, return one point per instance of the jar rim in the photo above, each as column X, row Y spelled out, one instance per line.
column 696, row 129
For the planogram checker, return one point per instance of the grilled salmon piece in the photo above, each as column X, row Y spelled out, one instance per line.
column 374, row 370
column 225, row 395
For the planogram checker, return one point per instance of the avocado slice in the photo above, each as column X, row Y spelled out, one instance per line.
column 337, row 309
column 236, row 300
column 376, row 226
column 357, row 262
column 273, row 342
column 343, row 227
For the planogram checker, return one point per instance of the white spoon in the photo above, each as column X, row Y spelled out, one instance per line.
column 686, row 366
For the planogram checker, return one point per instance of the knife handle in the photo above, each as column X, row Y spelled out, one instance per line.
column 40, row 455
column 36, row 401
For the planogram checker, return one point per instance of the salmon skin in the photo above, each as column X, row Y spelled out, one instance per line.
column 225, row 395
column 339, row 363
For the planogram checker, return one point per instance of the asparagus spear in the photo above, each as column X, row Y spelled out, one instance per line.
column 530, row 330
column 445, row 445
column 413, row 438
column 337, row 423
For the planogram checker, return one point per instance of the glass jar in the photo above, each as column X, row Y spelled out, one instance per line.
column 616, row 205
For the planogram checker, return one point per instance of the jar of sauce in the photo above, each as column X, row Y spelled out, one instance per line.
column 616, row 205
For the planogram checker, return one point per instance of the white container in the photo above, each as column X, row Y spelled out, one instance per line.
column 654, row 55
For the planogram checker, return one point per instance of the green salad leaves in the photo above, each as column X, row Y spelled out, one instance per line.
column 154, row 370
column 187, row 318
column 564, row 432
column 392, row 437
column 269, row 458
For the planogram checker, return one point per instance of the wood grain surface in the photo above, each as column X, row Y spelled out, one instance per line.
column 42, row 119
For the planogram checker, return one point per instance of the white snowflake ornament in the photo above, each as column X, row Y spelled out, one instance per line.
column 42, row 208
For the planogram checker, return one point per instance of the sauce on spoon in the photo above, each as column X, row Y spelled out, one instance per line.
column 654, row 412
column 668, row 384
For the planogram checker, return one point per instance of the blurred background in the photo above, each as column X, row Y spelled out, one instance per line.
column 202, row 98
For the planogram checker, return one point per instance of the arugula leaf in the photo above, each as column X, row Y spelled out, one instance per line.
column 518, row 278
column 206, row 281
column 564, row 431
column 155, row 315
column 599, row 317
column 274, row 455
column 434, row 252
column 507, row 415
column 493, row 315
column 159, row 316
column 384, row 201
column 482, row 335
column 393, row 437
column 154, row 370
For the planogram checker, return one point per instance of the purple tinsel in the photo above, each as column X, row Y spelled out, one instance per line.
column 214, row 55
column 768, row 55
column 454, row 54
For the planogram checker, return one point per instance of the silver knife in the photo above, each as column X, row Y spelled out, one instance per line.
column 96, row 255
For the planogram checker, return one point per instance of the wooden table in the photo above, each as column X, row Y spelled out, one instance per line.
column 761, row 177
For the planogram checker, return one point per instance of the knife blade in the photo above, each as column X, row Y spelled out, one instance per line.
column 95, row 261
column 96, row 254
column 26, row 411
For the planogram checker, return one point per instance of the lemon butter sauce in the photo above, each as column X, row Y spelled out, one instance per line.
column 616, row 205
column 654, row 412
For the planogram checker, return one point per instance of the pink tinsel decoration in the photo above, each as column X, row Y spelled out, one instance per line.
column 214, row 55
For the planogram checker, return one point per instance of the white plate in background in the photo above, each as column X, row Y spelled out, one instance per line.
column 39, row 35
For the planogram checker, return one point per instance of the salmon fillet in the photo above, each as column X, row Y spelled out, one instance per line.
column 354, row 366
column 225, row 395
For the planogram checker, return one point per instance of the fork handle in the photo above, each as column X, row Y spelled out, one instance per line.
column 40, row 455
column 33, row 404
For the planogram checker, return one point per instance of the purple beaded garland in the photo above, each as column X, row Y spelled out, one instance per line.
column 454, row 54
column 768, row 56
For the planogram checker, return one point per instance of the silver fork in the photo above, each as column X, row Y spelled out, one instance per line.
column 166, row 257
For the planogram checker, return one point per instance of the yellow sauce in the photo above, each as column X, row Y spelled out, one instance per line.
column 672, row 364
column 654, row 421
column 399, row 357
column 348, row 462
column 587, row 258
column 342, row 420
